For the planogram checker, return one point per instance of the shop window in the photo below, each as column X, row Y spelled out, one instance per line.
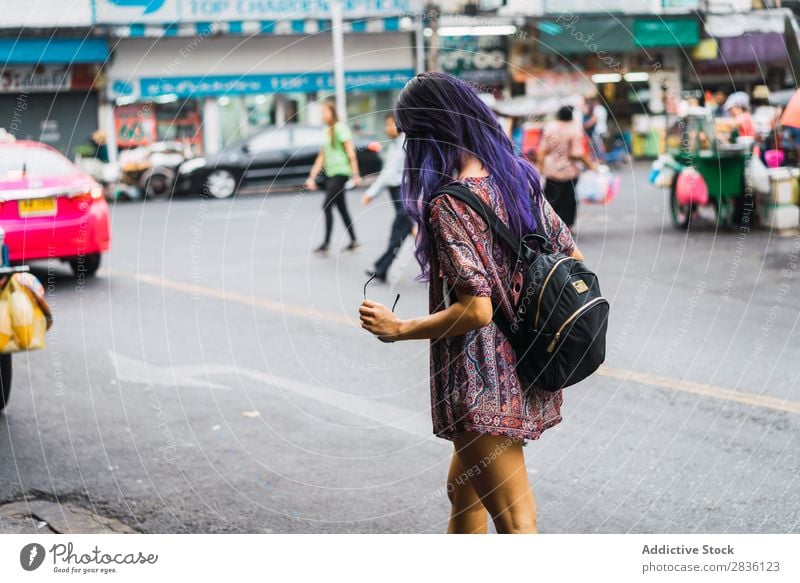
column 260, row 111
column 179, row 121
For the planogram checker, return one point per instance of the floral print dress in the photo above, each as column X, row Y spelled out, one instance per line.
column 474, row 384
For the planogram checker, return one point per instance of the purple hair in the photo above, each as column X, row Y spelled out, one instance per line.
column 444, row 120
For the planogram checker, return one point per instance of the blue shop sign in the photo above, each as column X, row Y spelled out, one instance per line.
column 278, row 83
column 220, row 11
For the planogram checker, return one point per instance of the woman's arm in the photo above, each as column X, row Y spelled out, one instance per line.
column 351, row 153
column 311, row 183
column 466, row 314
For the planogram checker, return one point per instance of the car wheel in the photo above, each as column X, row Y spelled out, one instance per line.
column 86, row 265
column 5, row 379
column 157, row 182
column 220, row 184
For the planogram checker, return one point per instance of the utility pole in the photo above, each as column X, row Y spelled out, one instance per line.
column 338, row 58
column 433, row 44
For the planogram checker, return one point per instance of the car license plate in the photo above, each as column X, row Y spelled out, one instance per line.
column 37, row 207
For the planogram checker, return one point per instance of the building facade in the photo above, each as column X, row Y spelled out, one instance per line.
column 205, row 73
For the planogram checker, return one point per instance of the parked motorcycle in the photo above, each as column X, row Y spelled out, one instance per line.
column 143, row 172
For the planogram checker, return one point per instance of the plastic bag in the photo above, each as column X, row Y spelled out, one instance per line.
column 598, row 186
column 24, row 314
column 758, row 175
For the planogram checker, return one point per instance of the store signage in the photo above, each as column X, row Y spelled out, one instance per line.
column 476, row 59
column 177, row 11
column 280, row 83
column 41, row 79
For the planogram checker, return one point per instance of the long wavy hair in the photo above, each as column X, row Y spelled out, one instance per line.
column 445, row 121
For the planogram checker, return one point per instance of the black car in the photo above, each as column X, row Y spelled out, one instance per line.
column 275, row 155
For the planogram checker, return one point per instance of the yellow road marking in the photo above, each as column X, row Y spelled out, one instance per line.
column 701, row 389
column 238, row 298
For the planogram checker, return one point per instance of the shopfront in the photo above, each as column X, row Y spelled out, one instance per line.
column 49, row 89
column 634, row 61
column 209, row 85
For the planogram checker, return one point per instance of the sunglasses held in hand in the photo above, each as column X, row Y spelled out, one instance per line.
column 371, row 277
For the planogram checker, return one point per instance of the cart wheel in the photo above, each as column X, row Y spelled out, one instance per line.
column 681, row 214
column 5, row 379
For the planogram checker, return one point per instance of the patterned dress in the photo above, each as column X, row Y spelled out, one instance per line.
column 474, row 384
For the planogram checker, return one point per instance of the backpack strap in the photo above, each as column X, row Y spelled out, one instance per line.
column 465, row 195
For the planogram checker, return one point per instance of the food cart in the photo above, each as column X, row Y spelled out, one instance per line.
column 694, row 145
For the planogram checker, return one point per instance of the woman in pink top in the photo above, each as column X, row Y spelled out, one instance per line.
column 560, row 152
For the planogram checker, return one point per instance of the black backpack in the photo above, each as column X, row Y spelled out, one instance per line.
column 558, row 332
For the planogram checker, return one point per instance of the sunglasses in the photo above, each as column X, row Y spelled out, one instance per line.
column 371, row 277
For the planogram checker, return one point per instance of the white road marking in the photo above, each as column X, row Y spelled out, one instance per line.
column 694, row 388
column 129, row 369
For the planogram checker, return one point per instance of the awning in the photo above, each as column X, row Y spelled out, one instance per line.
column 753, row 48
column 653, row 33
column 757, row 21
column 615, row 34
column 570, row 35
column 35, row 51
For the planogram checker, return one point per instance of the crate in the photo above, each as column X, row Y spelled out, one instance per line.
column 779, row 217
column 782, row 187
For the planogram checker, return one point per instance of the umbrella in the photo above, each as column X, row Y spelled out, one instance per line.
column 791, row 114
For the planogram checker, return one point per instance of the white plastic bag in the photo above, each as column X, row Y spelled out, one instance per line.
column 597, row 186
column 758, row 175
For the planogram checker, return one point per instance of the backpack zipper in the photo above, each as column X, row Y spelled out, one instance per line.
column 544, row 285
column 575, row 314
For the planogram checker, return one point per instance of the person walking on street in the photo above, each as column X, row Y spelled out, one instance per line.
column 559, row 154
column 478, row 401
column 389, row 179
column 595, row 124
column 338, row 158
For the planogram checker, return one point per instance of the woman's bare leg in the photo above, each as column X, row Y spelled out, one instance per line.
column 467, row 513
column 495, row 467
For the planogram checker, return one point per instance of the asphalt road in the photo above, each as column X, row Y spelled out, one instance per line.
column 212, row 378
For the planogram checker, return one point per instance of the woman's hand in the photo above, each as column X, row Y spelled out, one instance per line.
column 310, row 183
column 356, row 180
column 379, row 320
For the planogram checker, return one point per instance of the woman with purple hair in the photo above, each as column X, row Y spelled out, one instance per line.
column 478, row 400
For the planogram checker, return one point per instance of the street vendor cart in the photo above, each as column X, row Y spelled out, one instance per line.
column 706, row 170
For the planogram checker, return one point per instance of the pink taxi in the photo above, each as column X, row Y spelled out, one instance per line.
column 50, row 209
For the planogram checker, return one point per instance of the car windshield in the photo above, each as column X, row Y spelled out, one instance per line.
column 16, row 161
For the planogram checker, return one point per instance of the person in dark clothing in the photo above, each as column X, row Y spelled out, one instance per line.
column 389, row 179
